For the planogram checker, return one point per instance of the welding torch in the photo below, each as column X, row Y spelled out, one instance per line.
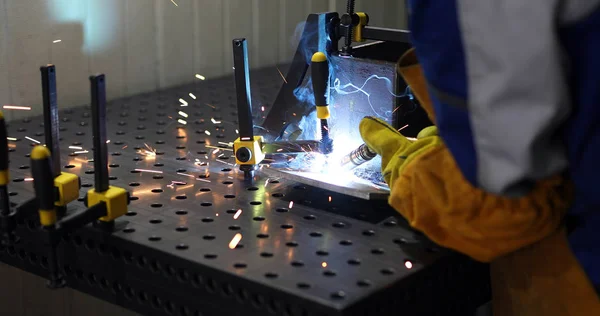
column 357, row 157
column 320, row 81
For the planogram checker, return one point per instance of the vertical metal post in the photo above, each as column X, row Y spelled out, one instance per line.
column 98, row 91
column 49, row 97
column 242, row 89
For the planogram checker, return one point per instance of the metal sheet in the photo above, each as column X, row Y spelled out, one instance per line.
column 344, row 184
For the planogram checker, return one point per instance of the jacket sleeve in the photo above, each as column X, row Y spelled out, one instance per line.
column 495, row 183
column 497, row 83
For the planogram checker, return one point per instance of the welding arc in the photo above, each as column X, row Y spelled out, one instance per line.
column 320, row 80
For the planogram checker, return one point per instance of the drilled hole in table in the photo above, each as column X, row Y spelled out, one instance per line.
column 310, row 217
column 204, row 190
column 282, row 210
column 158, row 164
column 181, row 247
column 207, row 220
column 181, row 212
column 155, row 221
column 181, row 197
column 291, row 244
column 133, row 171
column 134, row 184
column 316, row 234
column 258, row 218
column 134, row 198
column 303, row 286
column 226, row 169
column 387, row 271
column 131, row 213
column 338, row 295
column 157, row 177
column 329, row 273
column 157, row 190
column 89, row 172
column 262, row 236
column 390, row 223
column 368, row 232
column 154, row 238
column 112, row 178
column 363, row 283
column 227, row 182
column 252, row 189
column 346, row 242
column 210, row 256
column 400, row 241
column 240, row 265
column 271, row 275
column 209, row 237
column 128, row 230
column 181, row 229
column 229, row 196
column 266, row 254
column 234, row 227
column 204, row 175
column 205, row 204
column 339, row 225
column 297, row 264
column 156, row 205
column 354, row 262
column 255, row 203
column 377, row 251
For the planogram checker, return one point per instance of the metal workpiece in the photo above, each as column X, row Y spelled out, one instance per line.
column 200, row 240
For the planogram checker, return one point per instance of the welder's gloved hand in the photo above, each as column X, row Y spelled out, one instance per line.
column 395, row 149
column 430, row 191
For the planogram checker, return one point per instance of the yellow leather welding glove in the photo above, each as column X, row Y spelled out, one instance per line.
column 429, row 190
column 533, row 271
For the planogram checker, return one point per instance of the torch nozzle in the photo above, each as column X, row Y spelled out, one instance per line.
column 357, row 157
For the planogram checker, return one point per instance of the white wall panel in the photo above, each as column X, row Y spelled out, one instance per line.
column 237, row 23
column 208, row 38
column 142, row 45
column 4, row 82
column 27, row 48
column 141, row 41
column 176, row 42
column 69, row 54
column 106, row 44
column 265, row 46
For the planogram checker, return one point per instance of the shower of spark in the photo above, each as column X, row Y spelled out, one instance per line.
column 201, row 77
column 237, row 214
column 148, row 170
column 183, row 114
column 175, row 3
column 183, row 102
column 235, row 241
column 192, row 96
column 281, row 74
column 33, row 140
column 15, row 107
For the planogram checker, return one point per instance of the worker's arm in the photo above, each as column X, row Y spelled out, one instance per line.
column 496, row 84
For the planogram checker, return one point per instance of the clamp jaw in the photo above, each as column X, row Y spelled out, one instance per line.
column 105, row 203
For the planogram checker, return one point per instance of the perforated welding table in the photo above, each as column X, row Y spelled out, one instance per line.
column 171, row 254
